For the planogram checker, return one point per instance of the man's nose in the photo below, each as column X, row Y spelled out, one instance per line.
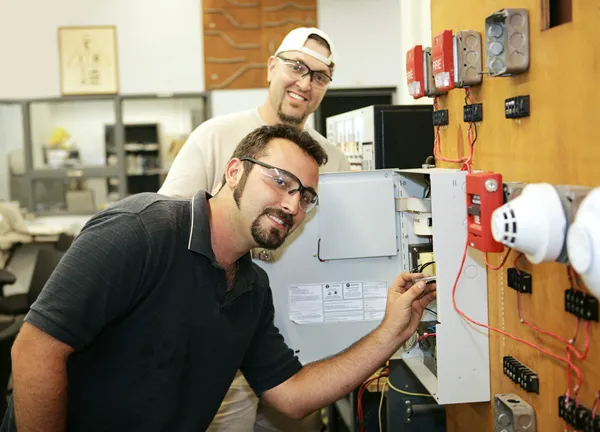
column 291, row 203
column 305, row 83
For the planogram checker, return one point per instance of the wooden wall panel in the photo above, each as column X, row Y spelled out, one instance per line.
column 556, row 144
column 240, row 35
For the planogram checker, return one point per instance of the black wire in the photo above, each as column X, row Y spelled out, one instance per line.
column 432, row 311
column 319, row 251
column 475, row 126
column 424, row 266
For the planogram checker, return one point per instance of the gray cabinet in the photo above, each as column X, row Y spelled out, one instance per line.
column 78, row 156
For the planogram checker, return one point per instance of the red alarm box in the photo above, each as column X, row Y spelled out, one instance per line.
column 442, row 58
column 415, row 77
column 484, row 195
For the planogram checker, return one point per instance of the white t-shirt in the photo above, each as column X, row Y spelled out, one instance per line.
column 201, row 162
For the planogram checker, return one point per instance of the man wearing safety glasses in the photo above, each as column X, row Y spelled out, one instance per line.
column 299, row 74
column 157, row 304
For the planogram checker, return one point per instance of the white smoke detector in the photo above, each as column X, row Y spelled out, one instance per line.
column 534, row 223
column 583, row 242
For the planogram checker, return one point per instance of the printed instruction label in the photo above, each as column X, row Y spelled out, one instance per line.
column 337, row 302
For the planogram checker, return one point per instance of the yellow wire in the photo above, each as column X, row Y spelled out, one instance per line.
column 381, row 404
column 405, row 392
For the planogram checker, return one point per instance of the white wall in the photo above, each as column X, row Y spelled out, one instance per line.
column 415, row 29
column 160, row 49
column 159, row 43
column 366, row 35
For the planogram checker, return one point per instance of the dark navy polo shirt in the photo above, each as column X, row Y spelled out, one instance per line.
column 158, row 339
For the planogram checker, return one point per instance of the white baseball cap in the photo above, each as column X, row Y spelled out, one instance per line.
column 295, row 40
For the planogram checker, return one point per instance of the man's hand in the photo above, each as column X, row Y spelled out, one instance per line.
column 405, row 304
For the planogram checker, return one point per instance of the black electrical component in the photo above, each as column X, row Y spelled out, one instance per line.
column 577, row 415
column 516, row 107
column 519, row 280
column 473, row 113
column 440, row 118
column 521, row 374
column 581, row 304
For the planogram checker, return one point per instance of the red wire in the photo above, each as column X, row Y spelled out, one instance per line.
column 596, row 404
column 501, row 264
column 461, row 313
column 425, row 336
column 361, row 390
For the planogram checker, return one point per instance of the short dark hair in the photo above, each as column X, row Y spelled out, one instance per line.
column 323, row 42
column 320, row 40
column 255, row 143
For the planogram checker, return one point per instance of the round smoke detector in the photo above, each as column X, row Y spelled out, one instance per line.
column 583, row 242
column 533, row 223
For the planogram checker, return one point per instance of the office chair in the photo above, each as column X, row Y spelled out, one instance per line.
column 8, row 334
column 6, row 278
column 45, row 263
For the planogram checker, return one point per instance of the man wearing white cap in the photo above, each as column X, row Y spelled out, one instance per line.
column 298, row 74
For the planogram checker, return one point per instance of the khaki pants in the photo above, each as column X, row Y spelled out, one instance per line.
column 241, row 411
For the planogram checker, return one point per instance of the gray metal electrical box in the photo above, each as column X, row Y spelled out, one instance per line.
column 330, row 286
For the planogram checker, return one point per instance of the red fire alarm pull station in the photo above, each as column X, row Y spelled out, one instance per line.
column 484, row 195
column 415, row 77
column 443, row 61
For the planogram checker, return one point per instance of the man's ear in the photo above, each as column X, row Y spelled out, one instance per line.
column 233, row 172
column 270, row 67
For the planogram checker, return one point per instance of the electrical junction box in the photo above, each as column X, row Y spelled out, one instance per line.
column 467, row 58
column 507, row 42
column 330, row 285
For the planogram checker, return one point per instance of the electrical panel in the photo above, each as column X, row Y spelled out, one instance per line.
column 467, row 58
column 418, row 217
column 507, row 42
column 442, row 57
column 434, row 361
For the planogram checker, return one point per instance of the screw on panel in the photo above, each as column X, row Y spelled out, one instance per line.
column 491, row 185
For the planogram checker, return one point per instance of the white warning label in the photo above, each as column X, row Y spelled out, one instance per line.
column 337, row 302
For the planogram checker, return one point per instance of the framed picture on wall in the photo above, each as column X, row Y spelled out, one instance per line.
column 88, row 60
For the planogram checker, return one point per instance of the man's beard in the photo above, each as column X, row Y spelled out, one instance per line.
column 266, row 238
column 288, row 119
column 271, row 238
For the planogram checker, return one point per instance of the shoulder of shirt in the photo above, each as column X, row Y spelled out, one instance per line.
column 154, row 212
column 225, row 123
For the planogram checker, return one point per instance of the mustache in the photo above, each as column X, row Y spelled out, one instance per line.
column 287, row 218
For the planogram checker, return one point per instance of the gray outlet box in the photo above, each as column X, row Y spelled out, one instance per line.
column 513, row 414
column 507, row 42
column 467, row 58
